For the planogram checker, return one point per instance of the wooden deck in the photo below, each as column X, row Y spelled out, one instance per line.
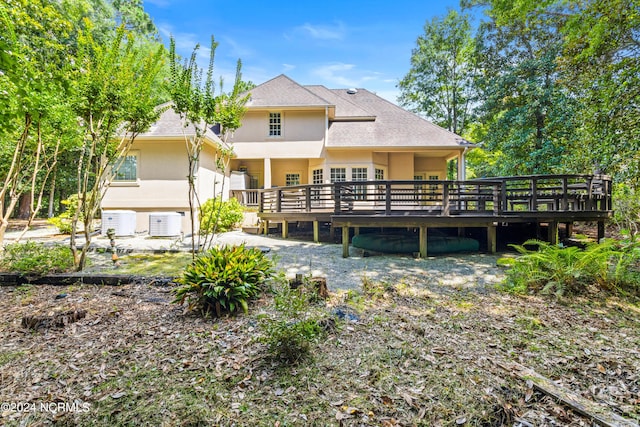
column 539, row 199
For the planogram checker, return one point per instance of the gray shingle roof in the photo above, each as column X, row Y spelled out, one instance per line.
column 344, row 107
column 393, row 126
column 169, row 125
column 281, row 91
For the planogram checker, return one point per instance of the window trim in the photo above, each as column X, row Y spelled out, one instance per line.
column 290, row 174
column 279, row 125
column 129, row 182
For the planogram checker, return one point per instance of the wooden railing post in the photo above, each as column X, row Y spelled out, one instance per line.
column 307, row 198
column 387, row 197
column 503, row 196
column 261, row 201
column 336, row 197
column 534, row 193
column 497, row 208
column 445, row 199
column 278, row 200
column 565, row 193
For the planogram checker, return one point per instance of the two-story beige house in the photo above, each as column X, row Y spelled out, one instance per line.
column 294, row 134
column 291, row 134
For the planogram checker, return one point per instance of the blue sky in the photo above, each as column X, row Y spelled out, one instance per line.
column 338, row 44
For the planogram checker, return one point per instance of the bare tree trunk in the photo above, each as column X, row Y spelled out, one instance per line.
column 24, row 205
column 10, row 183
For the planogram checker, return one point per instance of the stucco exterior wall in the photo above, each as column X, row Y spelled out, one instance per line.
column 431, row 166
column 162, row 185
column 280, row 168
column 303, row 135
column 401, row 166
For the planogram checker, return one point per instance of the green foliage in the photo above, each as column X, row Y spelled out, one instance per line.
column 626, row 208
column 217, row 215
column 440, row 83
column 223, row 280
column 530, row 117
column 587, row 102
column 564, row 271
column 35, row 258
column 294, row 327
column 63, row 221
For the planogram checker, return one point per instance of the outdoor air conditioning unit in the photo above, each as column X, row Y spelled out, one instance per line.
column 122, row 222
column 164, row 224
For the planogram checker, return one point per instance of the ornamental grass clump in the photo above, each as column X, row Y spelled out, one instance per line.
column 223, row 280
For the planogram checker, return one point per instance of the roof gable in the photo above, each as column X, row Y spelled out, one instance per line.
column 281, row 91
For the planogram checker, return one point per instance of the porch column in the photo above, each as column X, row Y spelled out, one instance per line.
column 267, row 173
column 462, row 169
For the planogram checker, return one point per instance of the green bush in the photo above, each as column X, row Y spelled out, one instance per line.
column 610, row 265
column 293, row 327
column 63, row 221
column 223, row 279
column 626, row 208
column 35, row 258
column 217, row 216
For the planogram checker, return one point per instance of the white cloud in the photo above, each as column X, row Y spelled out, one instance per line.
column 237, row 49
column 345, row 75
column 322, row 32
column 287, row 67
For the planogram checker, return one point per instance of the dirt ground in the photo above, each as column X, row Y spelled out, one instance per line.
column 409, row 350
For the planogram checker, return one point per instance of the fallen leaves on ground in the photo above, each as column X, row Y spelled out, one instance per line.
column 414, row 356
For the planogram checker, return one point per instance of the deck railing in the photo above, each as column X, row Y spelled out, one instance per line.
column 492, row 196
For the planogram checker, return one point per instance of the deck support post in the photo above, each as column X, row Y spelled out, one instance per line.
column 492, row 245
column 265, row 223
column 423, row 241
column 600, row 230
column 356, row 231
column 345, row 242
column 316, row 231
column 460, row 231
column 568, row 226
column 552, row 232
column 285, row 229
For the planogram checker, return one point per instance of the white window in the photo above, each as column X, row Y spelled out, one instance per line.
column 359, row 174
column 338, row 175
column 275, row 124
column 317, row 176
column 126, row 168
column 292, row 179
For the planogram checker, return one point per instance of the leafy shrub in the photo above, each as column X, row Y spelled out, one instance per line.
column 223, row 279
column 63, row 221
column 626, row 208
column 295, row 325
column 610, row 265
column 219, row 216
column 35, row 258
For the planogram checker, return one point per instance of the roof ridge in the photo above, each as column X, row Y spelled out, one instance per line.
column 462, row 139
column 339, row 93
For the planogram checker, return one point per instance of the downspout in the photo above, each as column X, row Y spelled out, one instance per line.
column 325, row 175
column 462, row 165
